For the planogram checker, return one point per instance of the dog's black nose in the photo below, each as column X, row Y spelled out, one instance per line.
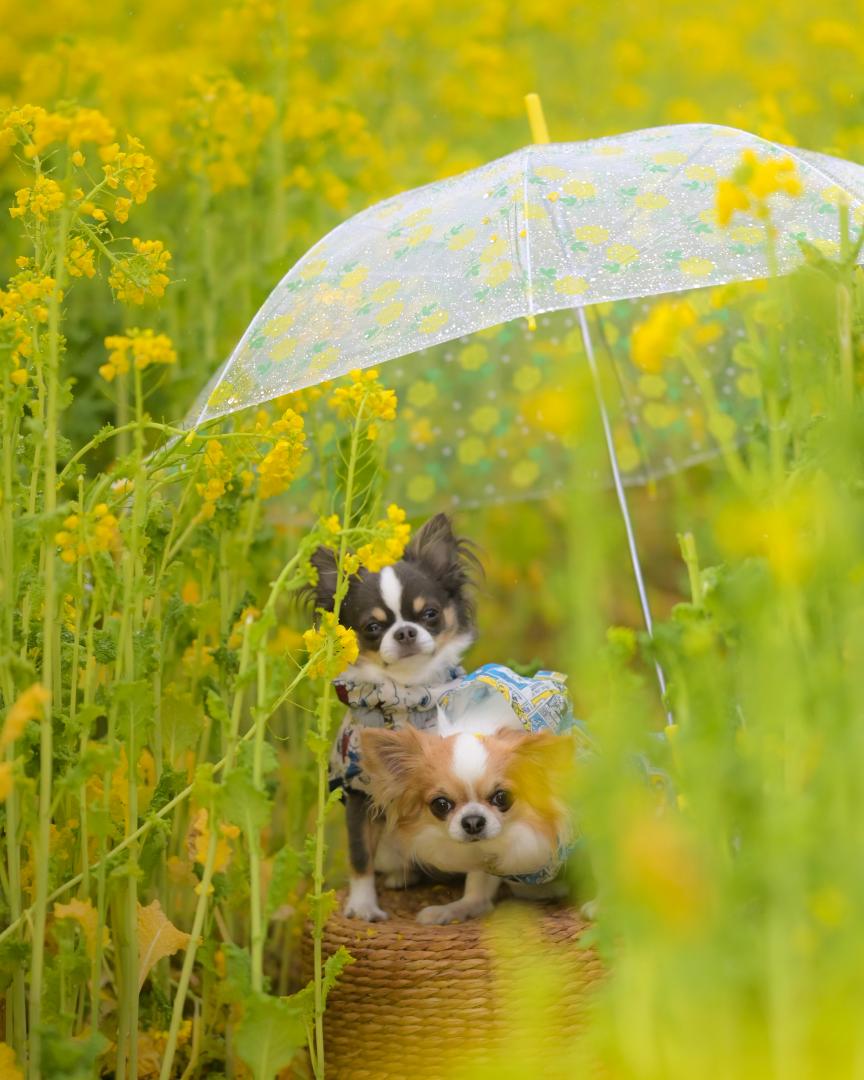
column 405, row 634
column 473, row 824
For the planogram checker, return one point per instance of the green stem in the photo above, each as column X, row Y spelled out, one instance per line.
column 135, row 559
column 49, row 660
column 322, row 770
column 16, row 999
column 776, row 440
column 844, row 310
column 191, row 950
column 103, row 436
column 124, row 426
column 224, row 583
column 13, row 853
column 210, row 859
column 687, row 544
column 253, row 835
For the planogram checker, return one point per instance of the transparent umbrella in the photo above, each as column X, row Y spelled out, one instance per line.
column 441, row 272
column 547, row 228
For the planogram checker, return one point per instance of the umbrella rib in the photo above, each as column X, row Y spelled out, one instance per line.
column 618, row 482
column 622, row 502
column 528, row 265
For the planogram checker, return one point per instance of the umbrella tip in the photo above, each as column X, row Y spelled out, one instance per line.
column 532, row 323
column 536, row 119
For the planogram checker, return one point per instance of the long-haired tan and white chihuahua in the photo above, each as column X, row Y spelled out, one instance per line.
column 413, row 621
column 478, row 798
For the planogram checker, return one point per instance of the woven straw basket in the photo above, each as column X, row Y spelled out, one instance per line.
column 418, row 999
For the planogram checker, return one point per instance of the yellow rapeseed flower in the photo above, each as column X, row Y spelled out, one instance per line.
column 136, row 277
column 142, row 347
column 98, row 529
column 391, row 537
column 226, row 125
column 44, row 197
column 654, row 340
column 132, row 168
column 364, row 396
column 279, row 465
column 217, row 469
column 752, row 183
column 340, row 641
column 80, row 258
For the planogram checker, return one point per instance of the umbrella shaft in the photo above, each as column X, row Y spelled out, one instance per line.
column 622, row 496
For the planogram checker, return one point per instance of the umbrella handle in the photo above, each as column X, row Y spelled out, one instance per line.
column 622, row 500
column 534, row 108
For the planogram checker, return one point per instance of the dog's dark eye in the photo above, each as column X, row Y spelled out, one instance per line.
column 372, row 628
column 441, row 807
column 430, row 614
column 502, row 800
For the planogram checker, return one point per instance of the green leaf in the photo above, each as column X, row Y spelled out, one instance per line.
column 13, row 956
column 104, row 646
column 170, row 783
column 270, row 1034
column 269, row 761
column 244, row 804
column 84, row 718
column 216, row 708
column 333, row 967
column 318, row 744
column 236, row 986
column 205, row 788
column 326, row 902
column 182, row 721
column 96, row 759
column 71, row 1057
column 287, row 870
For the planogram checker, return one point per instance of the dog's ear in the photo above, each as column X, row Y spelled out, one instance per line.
column 541, row 766
column 450, row 558
column 390, row 758
column 324, row 561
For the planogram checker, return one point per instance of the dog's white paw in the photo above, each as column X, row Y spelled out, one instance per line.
column 458, row 911
column 364, row 909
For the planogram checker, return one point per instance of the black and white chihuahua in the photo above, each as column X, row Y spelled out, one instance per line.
column 413, row 621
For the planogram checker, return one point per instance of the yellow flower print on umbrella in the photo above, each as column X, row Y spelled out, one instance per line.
column 651, row 201
column 474, row 356
column 471, row 450
column 622, row 254
column 526, row 378
column 696, row 267
column 433, row 322
column 485, row 418
column 524, row 473
column 389, row 313
column 591, row 234
column 421, row 488
column 570, row 285
column 422, row 393
column 580, row 189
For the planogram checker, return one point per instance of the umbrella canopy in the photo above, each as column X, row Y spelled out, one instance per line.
column 547, row 228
